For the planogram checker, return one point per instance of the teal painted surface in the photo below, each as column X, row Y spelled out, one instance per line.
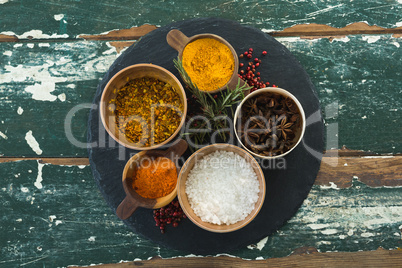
column 93, row 17
column 358, row 82
column 66, row 222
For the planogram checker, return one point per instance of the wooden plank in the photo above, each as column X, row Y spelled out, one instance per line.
column 65, row 76
column 70, row 18
column 374, row 171
column 133, row 33
column 377, row 258
column 53, row 215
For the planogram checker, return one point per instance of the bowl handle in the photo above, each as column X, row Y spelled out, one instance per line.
column 176, row 149
column 177, row 40
column 126, row 208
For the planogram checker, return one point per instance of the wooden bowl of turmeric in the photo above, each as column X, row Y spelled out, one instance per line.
column 149, row 179
column 209, row 60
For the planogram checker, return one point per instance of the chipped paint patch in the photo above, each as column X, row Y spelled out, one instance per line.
column 33, row 143
column 52, row 218
column 24, row 189
column 329, row 231
column 371, row 39
column 398, row 24
column 44, row 45
column 317, row 226
column 39, row 179
column 17, row 45
column 8, row 53
column 20, row 110
column 58, row 222
column 344, row 39
column 261, row 244
column 42, row 91
column 58, row 17
column 396, row 44
column 3, row 1
column 31, row 45
column 38, row 34
column 331, row 186
column 4, row 136
column 62, row 97
column 92, row 238
column 367, row 234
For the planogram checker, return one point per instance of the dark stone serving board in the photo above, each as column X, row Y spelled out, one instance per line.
column 286, row 188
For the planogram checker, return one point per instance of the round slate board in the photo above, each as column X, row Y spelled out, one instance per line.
column 288, row 181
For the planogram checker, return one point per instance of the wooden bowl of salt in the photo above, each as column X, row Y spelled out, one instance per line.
column 135, row 197
column 226, row 62
column 221, row 188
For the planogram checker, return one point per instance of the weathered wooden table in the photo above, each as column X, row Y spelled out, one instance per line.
column 52, row 56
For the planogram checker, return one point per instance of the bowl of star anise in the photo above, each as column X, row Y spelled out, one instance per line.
column 269, row 122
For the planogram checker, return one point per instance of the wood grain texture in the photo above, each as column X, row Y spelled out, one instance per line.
column 133, row 33
column 377, row 258
column 73, row 18
column 316, row 30
column 346, row 74
column 374, row 171
column 53, row 215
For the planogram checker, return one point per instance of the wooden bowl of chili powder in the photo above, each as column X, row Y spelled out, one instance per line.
column 150, row 179
column 143, row 106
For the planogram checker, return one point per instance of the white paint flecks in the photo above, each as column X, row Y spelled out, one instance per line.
column 20, row 110
column 399, row 24
column 4, row 136
column 62, row 97
column 364, row 117
column 3, row 1
column 111, row 49
column 58, row 222
column 18, row 220
column 331, row 186
column 317, row 226
column 44, row 45
column 71, row 86
column 343, row 39
column 322, row 10
column 261, row 244
column 38, row 34
column 329, row 231
column 31, row 45
column 24, row 189
column 81, row 166
column 92, row 238
column 17, row 45
column 39, row 179
column 42, row 91
column 350, row 232
column 8, row 53
column 396, row 44
column 371, row 38
column 33, row 143
column 342, row 237
column 52, row 218
column 367, row 234
column 58, row 17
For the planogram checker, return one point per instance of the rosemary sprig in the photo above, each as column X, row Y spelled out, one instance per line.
column 211, row 107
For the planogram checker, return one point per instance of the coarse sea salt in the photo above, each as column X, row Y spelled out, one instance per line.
column 222, row 188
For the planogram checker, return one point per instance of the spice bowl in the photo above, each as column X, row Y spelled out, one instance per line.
column 133, row 199
column 109, row 113
column 269, row 122
column 188, row 205
column 178, row 40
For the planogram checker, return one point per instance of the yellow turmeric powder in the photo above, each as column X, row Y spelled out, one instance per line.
column 208, row 63
column 155, row 178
